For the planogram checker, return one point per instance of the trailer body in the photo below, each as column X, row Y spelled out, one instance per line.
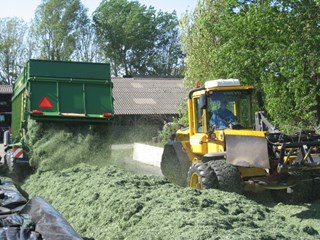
column 56, row 92
column 62, row 91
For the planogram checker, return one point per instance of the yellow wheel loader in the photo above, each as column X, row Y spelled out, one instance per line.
column 229, row 147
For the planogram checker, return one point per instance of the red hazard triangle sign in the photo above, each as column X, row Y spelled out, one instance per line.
column 45, row 103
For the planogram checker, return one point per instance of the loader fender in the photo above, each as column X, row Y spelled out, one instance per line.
column 247, row 149
column 175, row 163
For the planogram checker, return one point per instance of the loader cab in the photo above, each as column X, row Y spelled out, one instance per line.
column 220, row 105
column 229, row 109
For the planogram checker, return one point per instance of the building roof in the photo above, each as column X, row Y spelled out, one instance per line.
column 147, row 96
column 5, row 89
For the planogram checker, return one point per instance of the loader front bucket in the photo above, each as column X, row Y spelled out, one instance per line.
column 175, row 163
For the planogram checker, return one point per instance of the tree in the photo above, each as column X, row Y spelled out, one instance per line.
column 271, row 44
column 168, row 59
column 135, row 38
column 87, row 47
column 57, row 24
column 200, row 41
column 13, row 48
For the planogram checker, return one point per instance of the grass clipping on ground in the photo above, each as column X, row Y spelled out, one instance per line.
column 109, row 203
column 55, row 146
column 105, row 202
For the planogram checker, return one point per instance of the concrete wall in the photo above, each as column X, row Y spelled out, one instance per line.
column 147, row 154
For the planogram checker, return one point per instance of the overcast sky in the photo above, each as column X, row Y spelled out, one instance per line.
column 25, row 8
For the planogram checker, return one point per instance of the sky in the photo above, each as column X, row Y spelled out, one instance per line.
column 25, row 8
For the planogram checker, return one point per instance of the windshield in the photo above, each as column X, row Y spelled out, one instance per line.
column 230, row 107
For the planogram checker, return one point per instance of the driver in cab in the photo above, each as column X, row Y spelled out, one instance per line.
column 222, row 117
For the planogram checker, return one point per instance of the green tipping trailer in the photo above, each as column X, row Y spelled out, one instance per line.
column 62, row 91
column 50, row 91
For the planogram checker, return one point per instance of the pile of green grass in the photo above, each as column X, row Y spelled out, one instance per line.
column 109, row 203
column 58, row 146
column 75, row 174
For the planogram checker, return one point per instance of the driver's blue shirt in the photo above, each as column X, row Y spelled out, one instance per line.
column 221, row 118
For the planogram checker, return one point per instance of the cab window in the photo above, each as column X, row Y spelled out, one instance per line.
column 198, row 116
column 230, row 107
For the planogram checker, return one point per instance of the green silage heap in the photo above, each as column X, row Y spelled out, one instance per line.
column 104, row 202
column 108, row 203
column 56, row 146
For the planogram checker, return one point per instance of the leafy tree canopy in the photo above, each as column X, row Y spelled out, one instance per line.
column 136, row 38
column 13, row 49
column 271, row 44
column 57, row 24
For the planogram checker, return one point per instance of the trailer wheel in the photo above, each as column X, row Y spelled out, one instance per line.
column 201, row 176
column 228, row 176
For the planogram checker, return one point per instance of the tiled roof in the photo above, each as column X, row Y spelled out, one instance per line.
column 139, row 96
column 5, row 89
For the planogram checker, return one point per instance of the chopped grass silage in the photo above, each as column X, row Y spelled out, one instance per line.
column 56, row 146
column 104, row 202
column 109, row 203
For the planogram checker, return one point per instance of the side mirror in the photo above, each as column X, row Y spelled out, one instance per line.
column 260, row 99
column 203, row 101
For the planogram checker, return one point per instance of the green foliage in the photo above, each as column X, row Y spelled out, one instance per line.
column 137, row 39
column 168, row 131
column 271, row 44
column 87, row 48
column 57, row 24
column 13, row 48
column 168, row 57
column 170, row 128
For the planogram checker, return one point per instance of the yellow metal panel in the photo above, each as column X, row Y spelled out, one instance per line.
column 216, row 146
column 198, row 143
column 191, row 117
column 187, row 148
column 228, row 88
column 204, row 121
column 252, row 172
column 245, row 133
column 198, row 93
column 182, row 135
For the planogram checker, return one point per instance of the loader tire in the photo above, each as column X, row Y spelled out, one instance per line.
column 228, row 176
column 201, row 176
